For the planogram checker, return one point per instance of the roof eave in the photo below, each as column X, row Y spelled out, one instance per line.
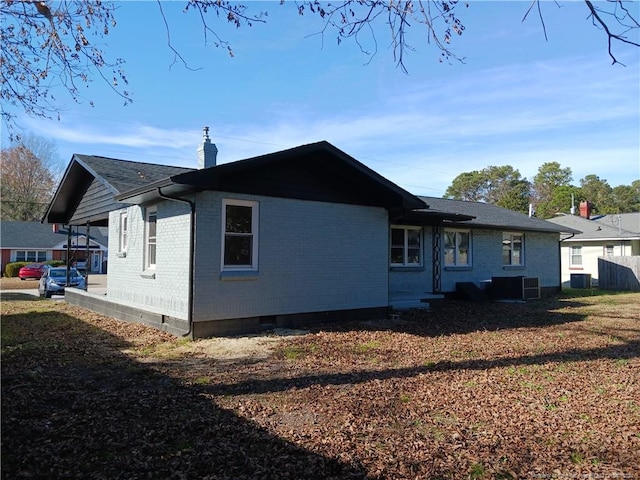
column 153, row 192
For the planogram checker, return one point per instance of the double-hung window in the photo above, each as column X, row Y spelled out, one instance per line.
column 151, row 224
column 239, row 235
column 406, row 246
column 576, row 256
column 457, row 248
column 123, row 241
column 31, row 256
column 512, row 249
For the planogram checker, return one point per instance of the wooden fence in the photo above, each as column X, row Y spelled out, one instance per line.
column 619, row 273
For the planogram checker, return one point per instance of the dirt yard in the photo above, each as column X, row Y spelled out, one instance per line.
column 547, row 389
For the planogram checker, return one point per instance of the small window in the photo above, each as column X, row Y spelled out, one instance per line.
column 124, row 232
column 576, row 256
column 150, row 237
column 240, row 235
column 457, row 248
column 512, row 249
column 406, row 246
column 608, row 250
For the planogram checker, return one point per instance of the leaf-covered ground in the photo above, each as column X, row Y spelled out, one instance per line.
column 547, row 389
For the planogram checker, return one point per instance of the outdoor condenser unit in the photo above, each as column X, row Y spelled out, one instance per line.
column 521, row 288
column 530, row 288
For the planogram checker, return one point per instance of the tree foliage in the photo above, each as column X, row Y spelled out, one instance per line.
column 27, row 179
column 46, row 46
column 550, row 193
column 550, row 177
column 599, row 193
column 502, row 186
column 626, row 198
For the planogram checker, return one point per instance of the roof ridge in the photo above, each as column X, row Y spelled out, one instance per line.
column 132, row 161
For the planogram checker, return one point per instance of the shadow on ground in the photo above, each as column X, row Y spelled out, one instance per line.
column 73, row 406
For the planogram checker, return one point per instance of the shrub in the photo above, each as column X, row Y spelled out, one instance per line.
column 55, row 263
column 12, row 269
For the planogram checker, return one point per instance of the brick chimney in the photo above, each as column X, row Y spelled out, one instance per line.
column 207, row 151
column 585, row 209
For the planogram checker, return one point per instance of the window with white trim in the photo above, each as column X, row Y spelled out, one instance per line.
column 457, row 248
column 406, row 246
column 151, row 228
column 576, row 256
column 512, row 249
column 239, row 235
column 608, row 250
column 124, row 232
column 31, row 256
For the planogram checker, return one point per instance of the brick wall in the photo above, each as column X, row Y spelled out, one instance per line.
column 167, row 291
column 313, row 257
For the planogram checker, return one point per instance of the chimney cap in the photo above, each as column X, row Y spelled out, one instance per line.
column 205, row 134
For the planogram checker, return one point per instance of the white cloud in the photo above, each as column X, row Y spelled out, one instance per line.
column 578, row 113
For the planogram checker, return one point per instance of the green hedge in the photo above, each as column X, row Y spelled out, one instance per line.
column 12, row 269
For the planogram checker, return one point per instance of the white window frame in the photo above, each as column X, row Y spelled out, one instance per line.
column 575, row 256
column 150, row 241
column 456, row 248
column 509, row 241
column 39, row 256
column 609, row 250
column 405, row 246
column 123, row 235
column 253, row 235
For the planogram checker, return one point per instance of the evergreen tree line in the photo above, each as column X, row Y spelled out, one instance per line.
column 551, row 191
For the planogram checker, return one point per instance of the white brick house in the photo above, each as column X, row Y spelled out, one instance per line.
column 291, row 238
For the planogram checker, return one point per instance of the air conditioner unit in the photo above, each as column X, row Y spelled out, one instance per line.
column 530, row 288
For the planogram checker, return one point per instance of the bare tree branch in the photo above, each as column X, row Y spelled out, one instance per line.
column 620, row 20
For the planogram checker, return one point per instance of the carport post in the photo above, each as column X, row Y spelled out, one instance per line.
column 87, row 258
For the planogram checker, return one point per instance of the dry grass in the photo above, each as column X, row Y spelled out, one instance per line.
column 548, row 389
column 14, row 283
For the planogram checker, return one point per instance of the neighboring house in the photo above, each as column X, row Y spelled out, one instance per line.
column 37, row 242
column 290, row 238
column 602, row 236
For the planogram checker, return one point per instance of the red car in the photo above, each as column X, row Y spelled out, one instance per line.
column 33, row 270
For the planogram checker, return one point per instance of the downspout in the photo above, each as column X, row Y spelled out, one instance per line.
column 560, row 257
column 192, row 242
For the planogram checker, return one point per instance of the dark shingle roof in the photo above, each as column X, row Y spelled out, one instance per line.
column 125, row 175
column 107, row 177
column 488, row 215
column 19, row 235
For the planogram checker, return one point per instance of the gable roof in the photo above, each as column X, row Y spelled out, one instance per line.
column 35, row 235
column 90, row 183
column 606, row 227
column 486, row 215
column 317, row 171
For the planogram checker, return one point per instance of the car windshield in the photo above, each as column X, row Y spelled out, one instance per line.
column 62, row 273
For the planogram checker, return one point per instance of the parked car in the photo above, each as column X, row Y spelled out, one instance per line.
column 33, row 270
column 80, row 265
column 54, row 281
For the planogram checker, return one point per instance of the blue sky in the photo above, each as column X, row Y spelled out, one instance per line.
column 517, row 100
